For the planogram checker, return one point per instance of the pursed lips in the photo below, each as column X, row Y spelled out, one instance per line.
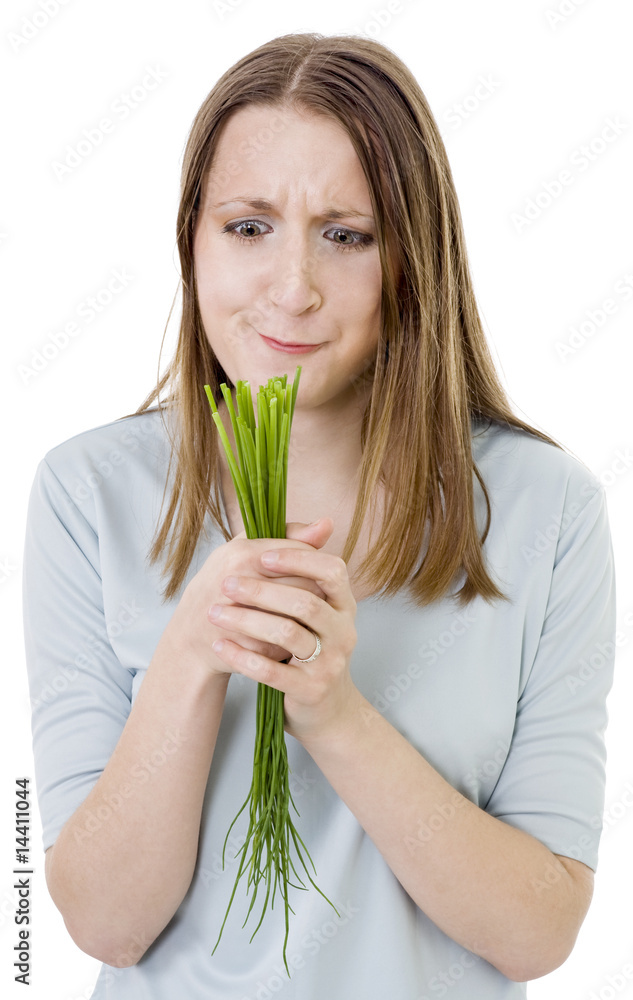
column 288, row 345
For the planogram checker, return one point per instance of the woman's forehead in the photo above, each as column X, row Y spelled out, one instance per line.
column 301, row 158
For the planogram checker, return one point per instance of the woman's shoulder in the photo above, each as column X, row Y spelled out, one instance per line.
column 111, row 444
column 512, row 461
column 127, row 456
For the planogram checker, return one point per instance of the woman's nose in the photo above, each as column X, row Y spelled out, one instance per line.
column 294, row 285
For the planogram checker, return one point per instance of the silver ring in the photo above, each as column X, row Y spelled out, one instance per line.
column 316, row 651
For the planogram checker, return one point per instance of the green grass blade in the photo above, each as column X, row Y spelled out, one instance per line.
column 259, row 474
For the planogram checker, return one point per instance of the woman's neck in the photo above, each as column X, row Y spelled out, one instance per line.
column 324, row 453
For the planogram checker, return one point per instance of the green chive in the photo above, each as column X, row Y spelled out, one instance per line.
column 259, row 474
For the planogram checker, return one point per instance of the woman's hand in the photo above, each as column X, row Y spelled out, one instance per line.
column 191, row 630
column 318, row 695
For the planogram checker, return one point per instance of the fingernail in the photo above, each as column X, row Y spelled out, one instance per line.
column 215, row 611
column 230, row 583
column 314, row 522
column 270, row 558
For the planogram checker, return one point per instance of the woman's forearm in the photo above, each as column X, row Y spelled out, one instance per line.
column 123, row 862
column 477, row 878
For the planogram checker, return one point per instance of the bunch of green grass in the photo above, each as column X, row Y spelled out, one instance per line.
column 259, row 473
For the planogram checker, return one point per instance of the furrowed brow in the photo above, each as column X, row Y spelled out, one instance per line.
column 263, row 205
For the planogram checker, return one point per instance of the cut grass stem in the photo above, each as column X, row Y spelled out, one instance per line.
column 259, row 474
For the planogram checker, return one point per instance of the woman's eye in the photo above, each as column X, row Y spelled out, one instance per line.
column 359, row 240
column 353, row 240
column 248, row 224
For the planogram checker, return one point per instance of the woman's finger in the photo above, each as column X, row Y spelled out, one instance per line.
column 269, row 628
column 327, row 570
column 272, row 673
column 291, row 602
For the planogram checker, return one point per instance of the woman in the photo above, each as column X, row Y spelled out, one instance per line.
column 434, row 617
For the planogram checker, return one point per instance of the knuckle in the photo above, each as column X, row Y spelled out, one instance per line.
column 306, row 606
column 349, row 643
column 265, row 674
column 252, row 661
column 282, row 633
column 339, row 570
column 288, row 630
column 320, row 689
column 234, row 552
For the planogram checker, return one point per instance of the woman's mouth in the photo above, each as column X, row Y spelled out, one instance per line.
column 289, row 348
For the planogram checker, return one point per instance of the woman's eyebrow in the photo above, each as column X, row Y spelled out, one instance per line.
column 263, row 205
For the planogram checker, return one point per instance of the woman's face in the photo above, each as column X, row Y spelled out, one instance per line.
column 285, row 248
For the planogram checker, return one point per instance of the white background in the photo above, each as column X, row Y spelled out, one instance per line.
column 554, row 81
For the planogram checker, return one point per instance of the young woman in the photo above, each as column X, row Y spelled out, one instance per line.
column 434, row 617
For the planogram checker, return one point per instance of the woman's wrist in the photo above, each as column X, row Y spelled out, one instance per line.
column 340, row 726
column 182, row 659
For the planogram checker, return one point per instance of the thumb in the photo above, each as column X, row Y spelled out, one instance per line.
column 315, row 534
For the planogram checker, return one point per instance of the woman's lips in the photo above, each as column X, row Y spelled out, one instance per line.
column 289, row 348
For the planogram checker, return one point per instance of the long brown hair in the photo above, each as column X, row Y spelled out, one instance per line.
column 433, row 370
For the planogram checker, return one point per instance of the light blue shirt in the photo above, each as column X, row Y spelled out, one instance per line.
column 506, row 701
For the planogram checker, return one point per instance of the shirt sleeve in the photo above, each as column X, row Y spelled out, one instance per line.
column 552, row 784
column 80, row 693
